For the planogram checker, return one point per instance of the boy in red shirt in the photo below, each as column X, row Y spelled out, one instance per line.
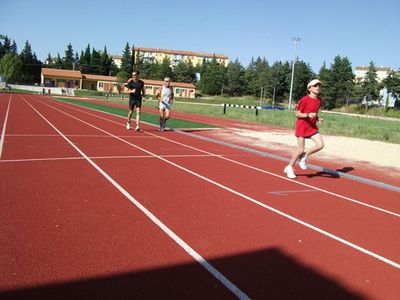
column 306, row 127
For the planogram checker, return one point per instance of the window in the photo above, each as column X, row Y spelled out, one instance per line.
column 101, row 84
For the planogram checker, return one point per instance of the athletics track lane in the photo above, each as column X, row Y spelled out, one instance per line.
column 205, row 218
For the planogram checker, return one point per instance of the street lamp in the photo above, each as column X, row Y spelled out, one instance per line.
column 296, row 40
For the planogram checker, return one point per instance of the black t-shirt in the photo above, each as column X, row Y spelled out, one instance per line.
column 138, row 86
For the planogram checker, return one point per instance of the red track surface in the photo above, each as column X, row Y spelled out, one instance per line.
column 70, row 232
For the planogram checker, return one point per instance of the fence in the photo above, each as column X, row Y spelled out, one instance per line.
column 242, row 106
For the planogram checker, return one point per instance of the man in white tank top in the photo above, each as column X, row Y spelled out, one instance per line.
column 165, row 99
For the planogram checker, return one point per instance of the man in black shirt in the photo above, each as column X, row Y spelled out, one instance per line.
column 136, row 94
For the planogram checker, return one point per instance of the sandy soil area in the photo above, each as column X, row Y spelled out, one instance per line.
column 336, row 147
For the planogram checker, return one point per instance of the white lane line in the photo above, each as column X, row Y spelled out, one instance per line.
column 243, row 164
column 196, row 256
column 248, row 198
column 285, row 193
column 3, row 132
column 76, row 135
column 96, row 157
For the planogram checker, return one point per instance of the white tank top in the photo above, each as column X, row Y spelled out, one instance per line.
column 165, row 94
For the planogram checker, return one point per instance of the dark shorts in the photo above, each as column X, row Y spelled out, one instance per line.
column 135, row 103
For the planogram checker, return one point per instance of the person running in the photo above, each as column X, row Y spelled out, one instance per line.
column 306, row 127
column 165, row 99
column 136, row 94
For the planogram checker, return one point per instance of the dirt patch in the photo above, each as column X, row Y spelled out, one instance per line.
column 337, row 148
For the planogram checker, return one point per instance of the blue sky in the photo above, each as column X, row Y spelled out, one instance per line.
column 362, row 30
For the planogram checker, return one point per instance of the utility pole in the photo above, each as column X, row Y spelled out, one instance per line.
column 296, row 40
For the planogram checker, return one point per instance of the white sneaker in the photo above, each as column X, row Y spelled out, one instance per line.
column 137, row 128
column 128, row 125
column 303, row 161
column 289, row 172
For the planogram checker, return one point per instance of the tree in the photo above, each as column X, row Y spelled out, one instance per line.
column 122, row 77
column 68, row 60
column 338, row 83
column 5, row 46
column 126, row 60
column 184, row 72
column 11, row 67
column 213, row 78
column 58, row 64
column 95, row 65
column 105, row 63
column 279, row 73
column 85, row 60
column 49, row 61
column 235, row 85
column 31, row 65
column 302, row 76
column 392, row 83
column 113, row 68
column 370, row 85
column 75, row 64
column 327, row 94
column 165, row 69
column 13, row 48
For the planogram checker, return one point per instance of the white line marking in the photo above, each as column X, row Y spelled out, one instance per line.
column 281, row 213
column 244, row 165
column 77, row 135
column 3, row 132
column 285, row 193
column 218, row 275
column 97, row 157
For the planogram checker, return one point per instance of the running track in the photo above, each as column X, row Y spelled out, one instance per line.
column 91, row 210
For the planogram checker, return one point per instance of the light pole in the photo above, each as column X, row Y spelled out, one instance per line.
column 296, row 40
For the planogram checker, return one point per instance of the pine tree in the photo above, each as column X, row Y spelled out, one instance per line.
column 49, row 61
column 68, row 58
column 58, row 63
column 31, row 66
column 165, row 69
column 279, row 72
column 126, row 60
column 213, row 78
column 96, row 62
column 105, row 63
column 370, row 85
column 85, row 60
column 235, row 85
column 5, row 46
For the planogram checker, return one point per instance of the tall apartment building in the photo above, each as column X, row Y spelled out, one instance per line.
column 176, row 56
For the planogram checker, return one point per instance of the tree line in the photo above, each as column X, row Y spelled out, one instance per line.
column 259, row 78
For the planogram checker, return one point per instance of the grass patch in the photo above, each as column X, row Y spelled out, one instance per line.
column 145, row 117
column 18, row 91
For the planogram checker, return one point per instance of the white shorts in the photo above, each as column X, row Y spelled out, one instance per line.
column 164, row 105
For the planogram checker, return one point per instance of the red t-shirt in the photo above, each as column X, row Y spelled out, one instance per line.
column 306, row 127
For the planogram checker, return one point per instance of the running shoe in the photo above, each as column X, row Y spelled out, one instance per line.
column 303, row 161
column 128, row 125
column 289, row 172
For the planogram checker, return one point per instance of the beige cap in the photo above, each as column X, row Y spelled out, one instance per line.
column 313, row 82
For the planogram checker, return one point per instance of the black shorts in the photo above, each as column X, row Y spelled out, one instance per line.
column 135, row 102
